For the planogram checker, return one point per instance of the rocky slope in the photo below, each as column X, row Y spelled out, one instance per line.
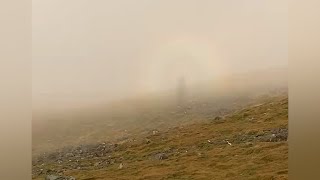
column 248, row 143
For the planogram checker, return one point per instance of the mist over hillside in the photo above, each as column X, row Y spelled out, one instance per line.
column 101, row 121
column 86, row 53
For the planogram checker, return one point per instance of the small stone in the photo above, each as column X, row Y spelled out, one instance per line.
column 161, row 156
column 53, row 177
column 120, row 166
column 57, row 177
column 228, row 142
column 69, row 155
column 97, row 164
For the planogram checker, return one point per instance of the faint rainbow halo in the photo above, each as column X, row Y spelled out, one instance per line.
column 194, row 59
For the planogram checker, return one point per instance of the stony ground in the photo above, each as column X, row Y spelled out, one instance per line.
column 249, row 143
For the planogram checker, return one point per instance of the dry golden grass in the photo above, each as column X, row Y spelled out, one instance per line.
column 192, row 156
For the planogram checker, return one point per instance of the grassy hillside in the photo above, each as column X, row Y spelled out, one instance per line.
column 239, row 143
column 54, row 128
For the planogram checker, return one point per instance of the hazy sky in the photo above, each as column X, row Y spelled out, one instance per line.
column 103, row 49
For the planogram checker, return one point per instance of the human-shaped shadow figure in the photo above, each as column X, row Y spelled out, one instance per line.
column 181, row 91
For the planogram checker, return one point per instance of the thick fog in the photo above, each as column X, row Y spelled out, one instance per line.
column 100, row 51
